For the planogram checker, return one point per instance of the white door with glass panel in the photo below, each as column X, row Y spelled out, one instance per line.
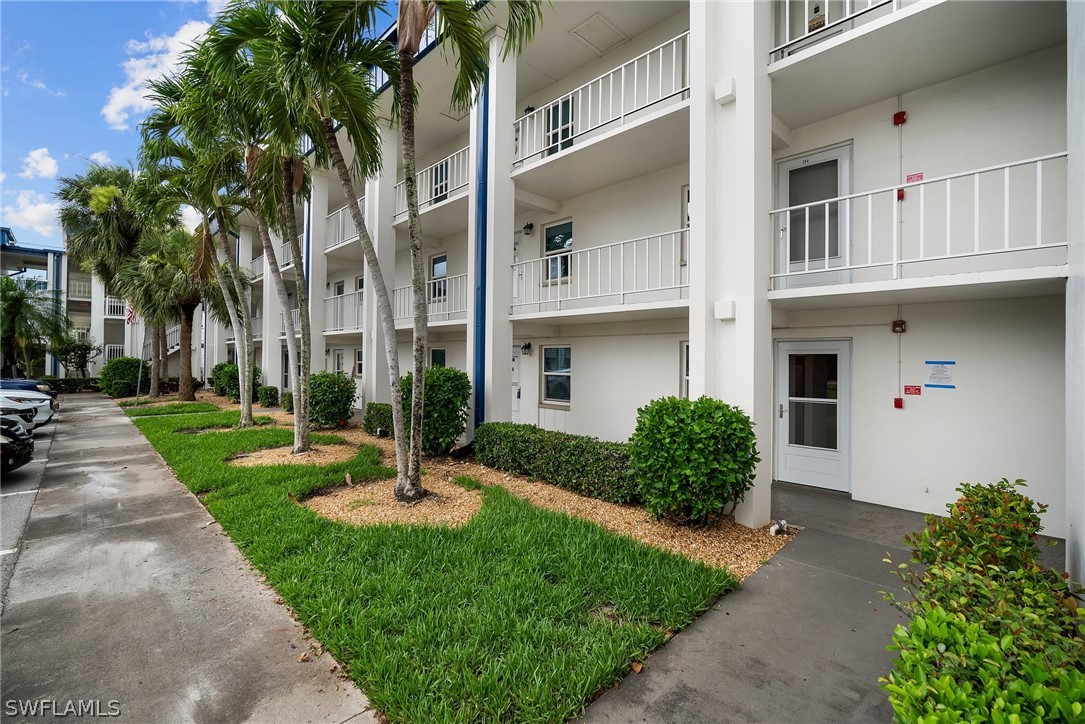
column 813, row 408
column 813, row 234
column 515, row 417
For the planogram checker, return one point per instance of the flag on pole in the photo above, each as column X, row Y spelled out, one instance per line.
column 130, row 316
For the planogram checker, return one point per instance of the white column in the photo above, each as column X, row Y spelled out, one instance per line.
column 1075, row 292
column 97, row 323
column 730, row 240
column 380, row 197
column 317, row 265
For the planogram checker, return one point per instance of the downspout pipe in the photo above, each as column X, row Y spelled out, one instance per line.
column 481, row 207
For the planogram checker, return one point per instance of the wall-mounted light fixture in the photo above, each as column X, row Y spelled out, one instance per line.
column 529, row 109
column 525, row 349
column 528, row 228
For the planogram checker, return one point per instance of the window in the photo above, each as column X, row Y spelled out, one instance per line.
column 339, row 288
column 557, row 241
column 339, row 358
column 437, row 357
column 559, row 126
column 557, row 374
column 685, row 224
column 359, row 283
column 683, row 385
column 440, row 181
column 359, row 360
column 438, row 270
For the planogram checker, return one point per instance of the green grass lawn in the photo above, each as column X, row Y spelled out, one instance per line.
column 521, row 615
column 174, row 408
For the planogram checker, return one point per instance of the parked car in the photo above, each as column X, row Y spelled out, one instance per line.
column 19, row 413
column 8, row 383
column 43, row 404
column 16, row 446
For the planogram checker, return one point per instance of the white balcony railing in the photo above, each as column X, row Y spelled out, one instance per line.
column 437, row 182
column 256, row 266
column 173, row 336
column 79, row 289
column 917, row 229
column 343, row 312
column 607, row 101
column 446, row 299
column 651, row 268
column 294, row 316
column 113, row 351
column 798, row 20
column 81, row 333
column 339, row 226
column 286, row 255
column 257, row 327
column 115, row 307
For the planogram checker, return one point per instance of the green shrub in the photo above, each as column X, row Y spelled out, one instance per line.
column 228, row 381
column 331, row 399
column 692, row 458
column 268, row 396
column 446, row 394
column 287, row 400
column 118, row 377
column 582, row 464
column 67, row 385
column 993, row 635
column 216, row 381
column 169, row 385
column 378, row 419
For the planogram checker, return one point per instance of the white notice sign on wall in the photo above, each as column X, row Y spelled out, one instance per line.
column 940, row 374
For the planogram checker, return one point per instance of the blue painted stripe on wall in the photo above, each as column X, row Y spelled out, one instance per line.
column 944, row 387
column 481, row 202
column 939, row 362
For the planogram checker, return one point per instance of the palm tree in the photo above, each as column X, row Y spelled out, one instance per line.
column 309, row 62
column 31, row 317
column 196, row 166
column 104, row 230
column 462, row 27
column 168, row 277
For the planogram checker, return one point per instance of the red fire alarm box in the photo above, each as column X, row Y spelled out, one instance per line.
column 900, row 117
column 898, row 403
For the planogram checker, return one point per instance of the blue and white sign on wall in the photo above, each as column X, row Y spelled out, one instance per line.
column 940, row 374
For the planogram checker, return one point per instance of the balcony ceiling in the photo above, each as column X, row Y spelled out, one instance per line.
column 441, row 220
column 911, row 48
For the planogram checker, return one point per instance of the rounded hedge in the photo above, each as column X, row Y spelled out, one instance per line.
column 692, row 458
column 268, row 396
column 446, row 395
column 216, row 380
column 378, row 419
column 331, row 399
column 118, row 377
column 287, row 400
column 227, row 380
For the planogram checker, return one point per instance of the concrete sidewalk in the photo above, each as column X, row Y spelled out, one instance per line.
column 802, row 640
column 126, row 590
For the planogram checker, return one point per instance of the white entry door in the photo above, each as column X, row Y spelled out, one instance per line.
column 813, row 235
column 813, row 396
column 515, row 383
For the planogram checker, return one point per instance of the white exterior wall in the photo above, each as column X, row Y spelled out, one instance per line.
column 1004, row 419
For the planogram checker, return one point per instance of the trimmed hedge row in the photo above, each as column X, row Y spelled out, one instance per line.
column 119, row 376
column 68, row 385
column 579, row 463
column 993, row 636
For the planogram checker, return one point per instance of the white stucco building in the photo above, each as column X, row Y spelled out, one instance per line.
column 863, row 226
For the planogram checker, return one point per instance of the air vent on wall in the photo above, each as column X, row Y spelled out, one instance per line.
column 598, row 34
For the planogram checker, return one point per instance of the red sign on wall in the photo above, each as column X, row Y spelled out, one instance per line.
column 913, row 178
column 913, row 390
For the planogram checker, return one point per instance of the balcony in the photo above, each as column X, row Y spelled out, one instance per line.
column 438, row 186
column 115, row 307
column 339, row 226
column 173, row 337
column 343, row 313
column 1001, row 224
column 647, row 272
column 899, row 46
column 256, row 266
column 78, row 289
column 81, row 333
column 294, row 315
column 625, row 123
column 286, row 254
column 113, row 351
column 257, row 329
column 446, row 300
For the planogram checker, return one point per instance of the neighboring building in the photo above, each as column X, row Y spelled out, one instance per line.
column 856, row 227
column 30, row 262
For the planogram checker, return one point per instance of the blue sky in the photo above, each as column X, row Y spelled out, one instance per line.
column 72, row 80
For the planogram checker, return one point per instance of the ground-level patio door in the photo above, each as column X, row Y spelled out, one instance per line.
column 813, row 397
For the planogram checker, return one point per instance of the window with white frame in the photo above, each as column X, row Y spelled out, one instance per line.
column 438, row 271
column 359, row 362
column 683, row 384
column 557, row 374
column 437, row 357
column 339, row 361
column 557, row 246
column 559, row 126
column 339, row 288
column 359, row 283
column 440, row 181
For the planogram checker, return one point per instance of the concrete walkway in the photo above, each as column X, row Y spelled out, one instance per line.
column 126, row 590
column 803, row 639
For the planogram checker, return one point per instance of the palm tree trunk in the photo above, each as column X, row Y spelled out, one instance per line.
column 163, row 353
column 414, row 490
column 301, row 388
column 156, row 363
column 284, row 304
column 185, row 393
column 243, row 327
column 380, row 293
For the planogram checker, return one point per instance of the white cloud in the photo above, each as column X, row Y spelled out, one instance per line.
column 101, row 158
column 38, row 163
column 25, row 78
column 190, row 218
column 215, row 7
column 35, row 211
column 3, row 177
column 148, row 59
